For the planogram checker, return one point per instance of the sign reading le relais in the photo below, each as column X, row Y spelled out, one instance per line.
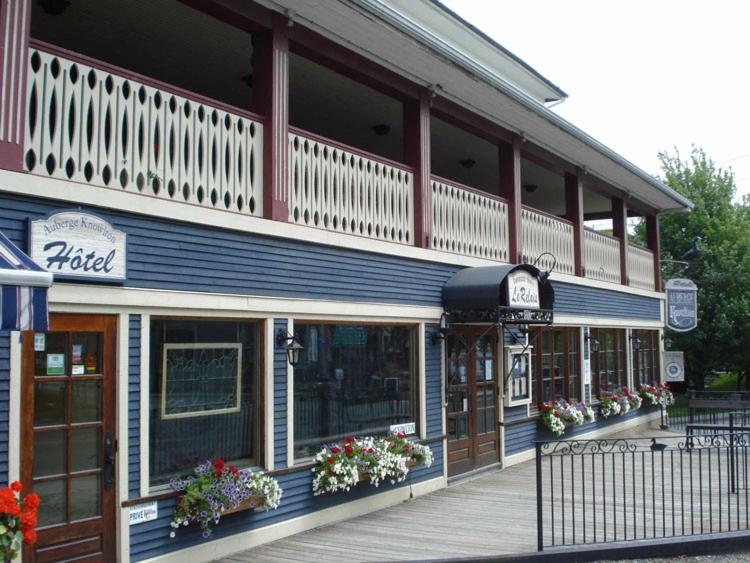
column 682, row 305
column 74, row 244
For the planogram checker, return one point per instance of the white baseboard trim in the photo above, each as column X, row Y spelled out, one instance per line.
column 212, row 550
column 596, row 433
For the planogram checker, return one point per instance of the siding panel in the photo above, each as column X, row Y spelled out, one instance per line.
column 279, row 399
column 134, row 405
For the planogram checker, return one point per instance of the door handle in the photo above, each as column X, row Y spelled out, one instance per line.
column 109, row 462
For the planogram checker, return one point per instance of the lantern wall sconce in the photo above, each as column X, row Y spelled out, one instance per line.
column 442, row 331
column 593, row 343
column 293, row 347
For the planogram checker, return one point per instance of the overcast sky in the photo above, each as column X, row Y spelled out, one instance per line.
column 641, row 76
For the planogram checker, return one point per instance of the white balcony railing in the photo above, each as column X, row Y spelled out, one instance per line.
column 469, row 223
column 544, row 233
column 339, row 189
column 113, row 130
column 601, row 257
column 640, row 267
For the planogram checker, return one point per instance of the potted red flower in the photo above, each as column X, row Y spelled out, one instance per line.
column 17, row 520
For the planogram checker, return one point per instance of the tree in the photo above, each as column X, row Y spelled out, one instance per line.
column 722, row 273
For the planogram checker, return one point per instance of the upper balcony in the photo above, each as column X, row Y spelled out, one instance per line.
column 342, row 151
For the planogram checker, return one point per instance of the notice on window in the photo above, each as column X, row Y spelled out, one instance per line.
column 587, row 372
column 77, row 353
column 40, row 340
column 55, row 364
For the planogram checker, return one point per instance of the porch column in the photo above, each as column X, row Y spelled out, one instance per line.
column 417, row 154
column 510, row 189
column 653, row 241
column 271, row 100
column 14, row 48
column 620, row 231
column 574, row 213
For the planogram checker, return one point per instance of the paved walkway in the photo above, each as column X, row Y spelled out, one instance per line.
column 492, row 514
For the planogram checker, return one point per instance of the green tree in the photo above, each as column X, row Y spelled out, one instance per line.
column 722, row 272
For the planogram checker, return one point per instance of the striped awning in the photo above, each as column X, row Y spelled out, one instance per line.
column 23, row 285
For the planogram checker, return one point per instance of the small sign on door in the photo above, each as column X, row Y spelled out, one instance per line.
column 143, row 513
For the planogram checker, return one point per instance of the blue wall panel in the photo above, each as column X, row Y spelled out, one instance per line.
column 4, row 404
column 573, row 299
column 134, row 405
column 279, row 399
column 433, row 383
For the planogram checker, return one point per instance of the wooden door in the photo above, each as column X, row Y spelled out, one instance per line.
column 471, row 372
column 68, row 437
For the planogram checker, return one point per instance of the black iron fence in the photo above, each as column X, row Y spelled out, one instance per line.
column 708, row 407
column 603, row 491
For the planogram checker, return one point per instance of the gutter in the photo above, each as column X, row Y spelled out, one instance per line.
column 392, row 17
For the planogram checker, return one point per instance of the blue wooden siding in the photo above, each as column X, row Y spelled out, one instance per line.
column 172, row 255
column 433, row 386
column 279, row 399
column 134, row 405
column 4, row 403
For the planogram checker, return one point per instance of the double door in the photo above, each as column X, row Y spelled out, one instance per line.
column 472, row 394
column 68, row 437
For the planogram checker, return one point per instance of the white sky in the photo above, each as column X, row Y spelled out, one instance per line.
column 642, row 76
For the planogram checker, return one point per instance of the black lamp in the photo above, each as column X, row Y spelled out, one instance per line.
column 293, row 347
column 443, row 329
column 593, row 343
column 636, row 341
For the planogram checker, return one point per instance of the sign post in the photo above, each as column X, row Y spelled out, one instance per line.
column 682, row 305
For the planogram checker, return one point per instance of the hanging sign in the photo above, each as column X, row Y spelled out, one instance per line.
column 75, row 244
column 143, row 513
column 682, row 305
column 523, row 290
column 674, row 366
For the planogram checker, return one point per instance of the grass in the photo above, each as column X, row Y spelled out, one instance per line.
column 726, row 382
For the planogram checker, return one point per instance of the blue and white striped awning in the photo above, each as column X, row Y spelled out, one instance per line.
column 24, row 290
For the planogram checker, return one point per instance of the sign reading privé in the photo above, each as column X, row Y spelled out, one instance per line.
column 143, row 513
column 76, row 244
column 523, row 290
column 682, row 305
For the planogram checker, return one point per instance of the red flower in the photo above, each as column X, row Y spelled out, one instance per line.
column 29, row 537
column 31, row 500
column 400, row 435
column 335, row 450
column 331, row 460
column 406, row 447
column 349, row 450
column 389, row 439
column 370, row 450
column 16, row 486
column 557, row 414
column 348, row 439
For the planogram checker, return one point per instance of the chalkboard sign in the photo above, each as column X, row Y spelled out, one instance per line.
column 200, row 379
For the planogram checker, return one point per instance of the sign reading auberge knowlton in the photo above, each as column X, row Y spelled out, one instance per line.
column 76, row 244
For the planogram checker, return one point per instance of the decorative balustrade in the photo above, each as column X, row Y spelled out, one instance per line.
column 467, row 222
column 340, row 189
column 640, row 267
column 601, row 256
column 104, row 128
column 545, row 233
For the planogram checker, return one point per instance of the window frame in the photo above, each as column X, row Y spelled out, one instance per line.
column 259, row 434
column 620, row 357
column 569, row 334
column 417, row 364
column 653, row 337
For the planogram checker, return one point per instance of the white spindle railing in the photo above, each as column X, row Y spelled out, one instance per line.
column 601, row 256
column 641, row 267
column 340, row 190
column 96, row 127
column 468, row 223
column 543, row 233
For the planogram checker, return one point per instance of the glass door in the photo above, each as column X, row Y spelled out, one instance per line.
column 68, row 443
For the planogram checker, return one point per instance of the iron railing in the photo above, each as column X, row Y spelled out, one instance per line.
column 708, row 407
column 614, row 490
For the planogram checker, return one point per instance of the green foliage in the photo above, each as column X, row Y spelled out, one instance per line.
column 722, row 272
column 726, row 382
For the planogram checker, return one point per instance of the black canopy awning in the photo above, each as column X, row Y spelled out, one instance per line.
column 499, row 294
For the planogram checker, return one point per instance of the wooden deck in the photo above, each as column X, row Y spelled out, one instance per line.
column 492, row 514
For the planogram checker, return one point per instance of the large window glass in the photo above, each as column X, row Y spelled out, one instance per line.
column 608, row 365
column 556, row 370
column 204, row 389
column 352, row 379
column 645, row 345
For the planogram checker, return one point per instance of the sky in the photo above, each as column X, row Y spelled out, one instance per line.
column 641, row 76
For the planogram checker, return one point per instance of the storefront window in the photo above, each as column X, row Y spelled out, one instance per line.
column 645, row 357
column 608, row 366
column 352, row 379
column 204, row 388
column 557, row 365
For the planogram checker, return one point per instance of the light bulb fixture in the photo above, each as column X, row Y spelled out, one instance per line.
column 636, row 341
column 293, row 347
column 531, row 188
column 381, row 129
column 444, row 328
column 592, row 342
column 467, row 162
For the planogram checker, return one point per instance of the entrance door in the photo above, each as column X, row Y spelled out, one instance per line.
column 473, row 437
column 68, row 437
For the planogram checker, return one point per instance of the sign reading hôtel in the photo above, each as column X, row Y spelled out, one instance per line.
column 76, row 244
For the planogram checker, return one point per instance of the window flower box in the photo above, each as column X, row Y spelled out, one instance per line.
column 558, row 416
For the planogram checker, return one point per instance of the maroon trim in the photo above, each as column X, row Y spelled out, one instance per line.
column 462, row 118
column 547, row 160
column 341, row 146
column 653, row 239
column 574, row 213
column 14, row 69
column 321, row 50
column 146, row 80
column 417, row 153
column 510, row 188
column 550, row 215
column 271, row 98
column 620, row 231
column 468, row 188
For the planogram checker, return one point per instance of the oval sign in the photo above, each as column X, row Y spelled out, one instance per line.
column 682, row 305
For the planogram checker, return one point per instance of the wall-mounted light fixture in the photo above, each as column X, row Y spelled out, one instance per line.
column 635, row 340
column 443, row 329
column 54, row 7
column 531, row 188
column 381, row 129
column 467, row 162
column 293, row 347
column 592, row 342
